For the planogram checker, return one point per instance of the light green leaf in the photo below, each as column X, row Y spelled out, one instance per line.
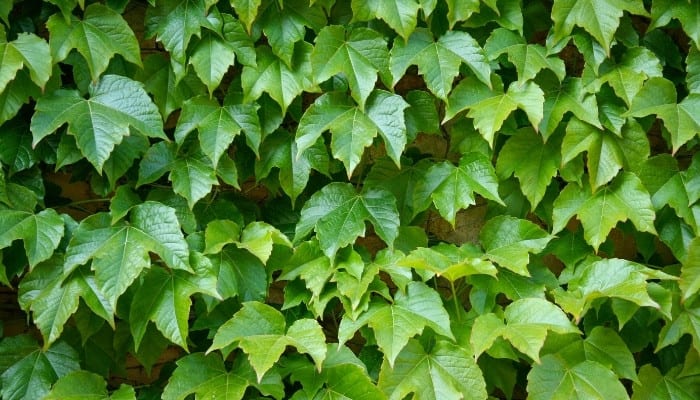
column 247, row 11
column 461, row 10
column 600, row 18
column 439, row 61
column 40, row 232
column 240, row 273
column 259, row 237
column 27, row 51
column 658, row 96
column 569, row 96
column 532, row 161
column 100, row 35
column 449, row 261
column 259, row 330
column 54, row 305
column 624, row 198
column 604, row 346
column 101, row 122
column 280, row 150
column 529, row 59
column 217, row 126
column 447, row 371
column 359, row 54
column 85, row 385
column 285, row 25
column 206, row 377
column 653, row 385
column 16, row 94
column 627, row 77
column 678, row 189
column 271, row 75
column 690, row 270
column 337, row 214
column 558, row 378
column 211, row 58
column 509, row 240
column 192, row 176
column 32, row 372
column 400, row 15
column 218, row 234
column 692, row 69
column 164, row 298
column 452, row 188
column 686, row 12
column 607, row 278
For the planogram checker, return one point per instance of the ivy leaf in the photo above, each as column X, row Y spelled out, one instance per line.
column 690, row 270
column 353, row 130
column 532, row 161
column 460, row 10
column 653, row 385
column 599, row 18
column 359, row 54
column 279, row 150
column 32, row 372
column 247, row 11
column 100, row 123
column 685, row 12
column 337, row 214
column 259, row 330
column 27, row 51
column 212, row 56
column 624, row 198
column 509, row 240
column 439, row 61
column 192, row 176
column 54, row 305
column 637, row 65
column 603, row 345
column 568, row 96
column 607, row 278
column 557, row 377
column 451, row 188
column 164, row 298
column 447, row 371
column 100, row 35
column 271, row 75
column 259, row 238
column 449, row 261
column 692, row 78
column 40, row 232
column 284, row 26
column 16, row 94
column 86, row 385
column 217, row 126
column 529, row 59
column 393, row 325
column 678, row 189
column 207, row 377
column 607, row 152
column 173, row 23
column 658, row 96
column 400, row 15
column 240, row 273
column 119, row 252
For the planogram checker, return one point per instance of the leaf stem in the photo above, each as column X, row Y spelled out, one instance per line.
column 455, row 300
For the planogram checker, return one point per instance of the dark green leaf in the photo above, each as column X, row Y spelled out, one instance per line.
column 40, row 232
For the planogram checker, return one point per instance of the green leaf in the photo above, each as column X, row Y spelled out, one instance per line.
column 359, row 54
column 529, row 59
column 280, row 150
column 569, row 96
column 461, row 10
column 449, row 261
column 259, row 237
column 32, row 373
column 686, row 12
column 100, row 35
column 439, row 61
column 192, row 176
column 400, row 15
column 271, row 75
column 53, row 306
column 624, row 198
column 206, row 377
column 164, row 298
column 658, row 96
column 285, row 25
column 451, row 188
column 40, row 232
column 610, row 278
column 447, row 371
column 338, row 214
column 400, row 181
column 119, row 252
column 212, row 56
column 637, row 65
column 690, row 270
column 27, row 51
column 528, row 322
column 604, row 346
column 352, row 129
column 509, row 240
column 393, row 325
column 653, row 385
column 558, row 378
column 217, row 126
column 86, row 385
column 607, row 152
column 100, row 123
column 16, row 94
column 173, row 23
column 597, row 17
column 247, row 11
column 259, row 330
column 240, row 273
column 678, row 189
column 532, row 161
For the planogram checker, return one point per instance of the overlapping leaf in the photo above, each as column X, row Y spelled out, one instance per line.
column 569, row 96
column 27, row 51
column 529, row 59
column 40, row 232
column 687, row 12
column 284, row 24
column 87, row 385
column 509, row 241
column 400, row 15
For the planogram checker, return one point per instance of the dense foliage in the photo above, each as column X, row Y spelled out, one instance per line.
column 427, row 199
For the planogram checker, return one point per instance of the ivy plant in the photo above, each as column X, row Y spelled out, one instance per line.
column 321, row 199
